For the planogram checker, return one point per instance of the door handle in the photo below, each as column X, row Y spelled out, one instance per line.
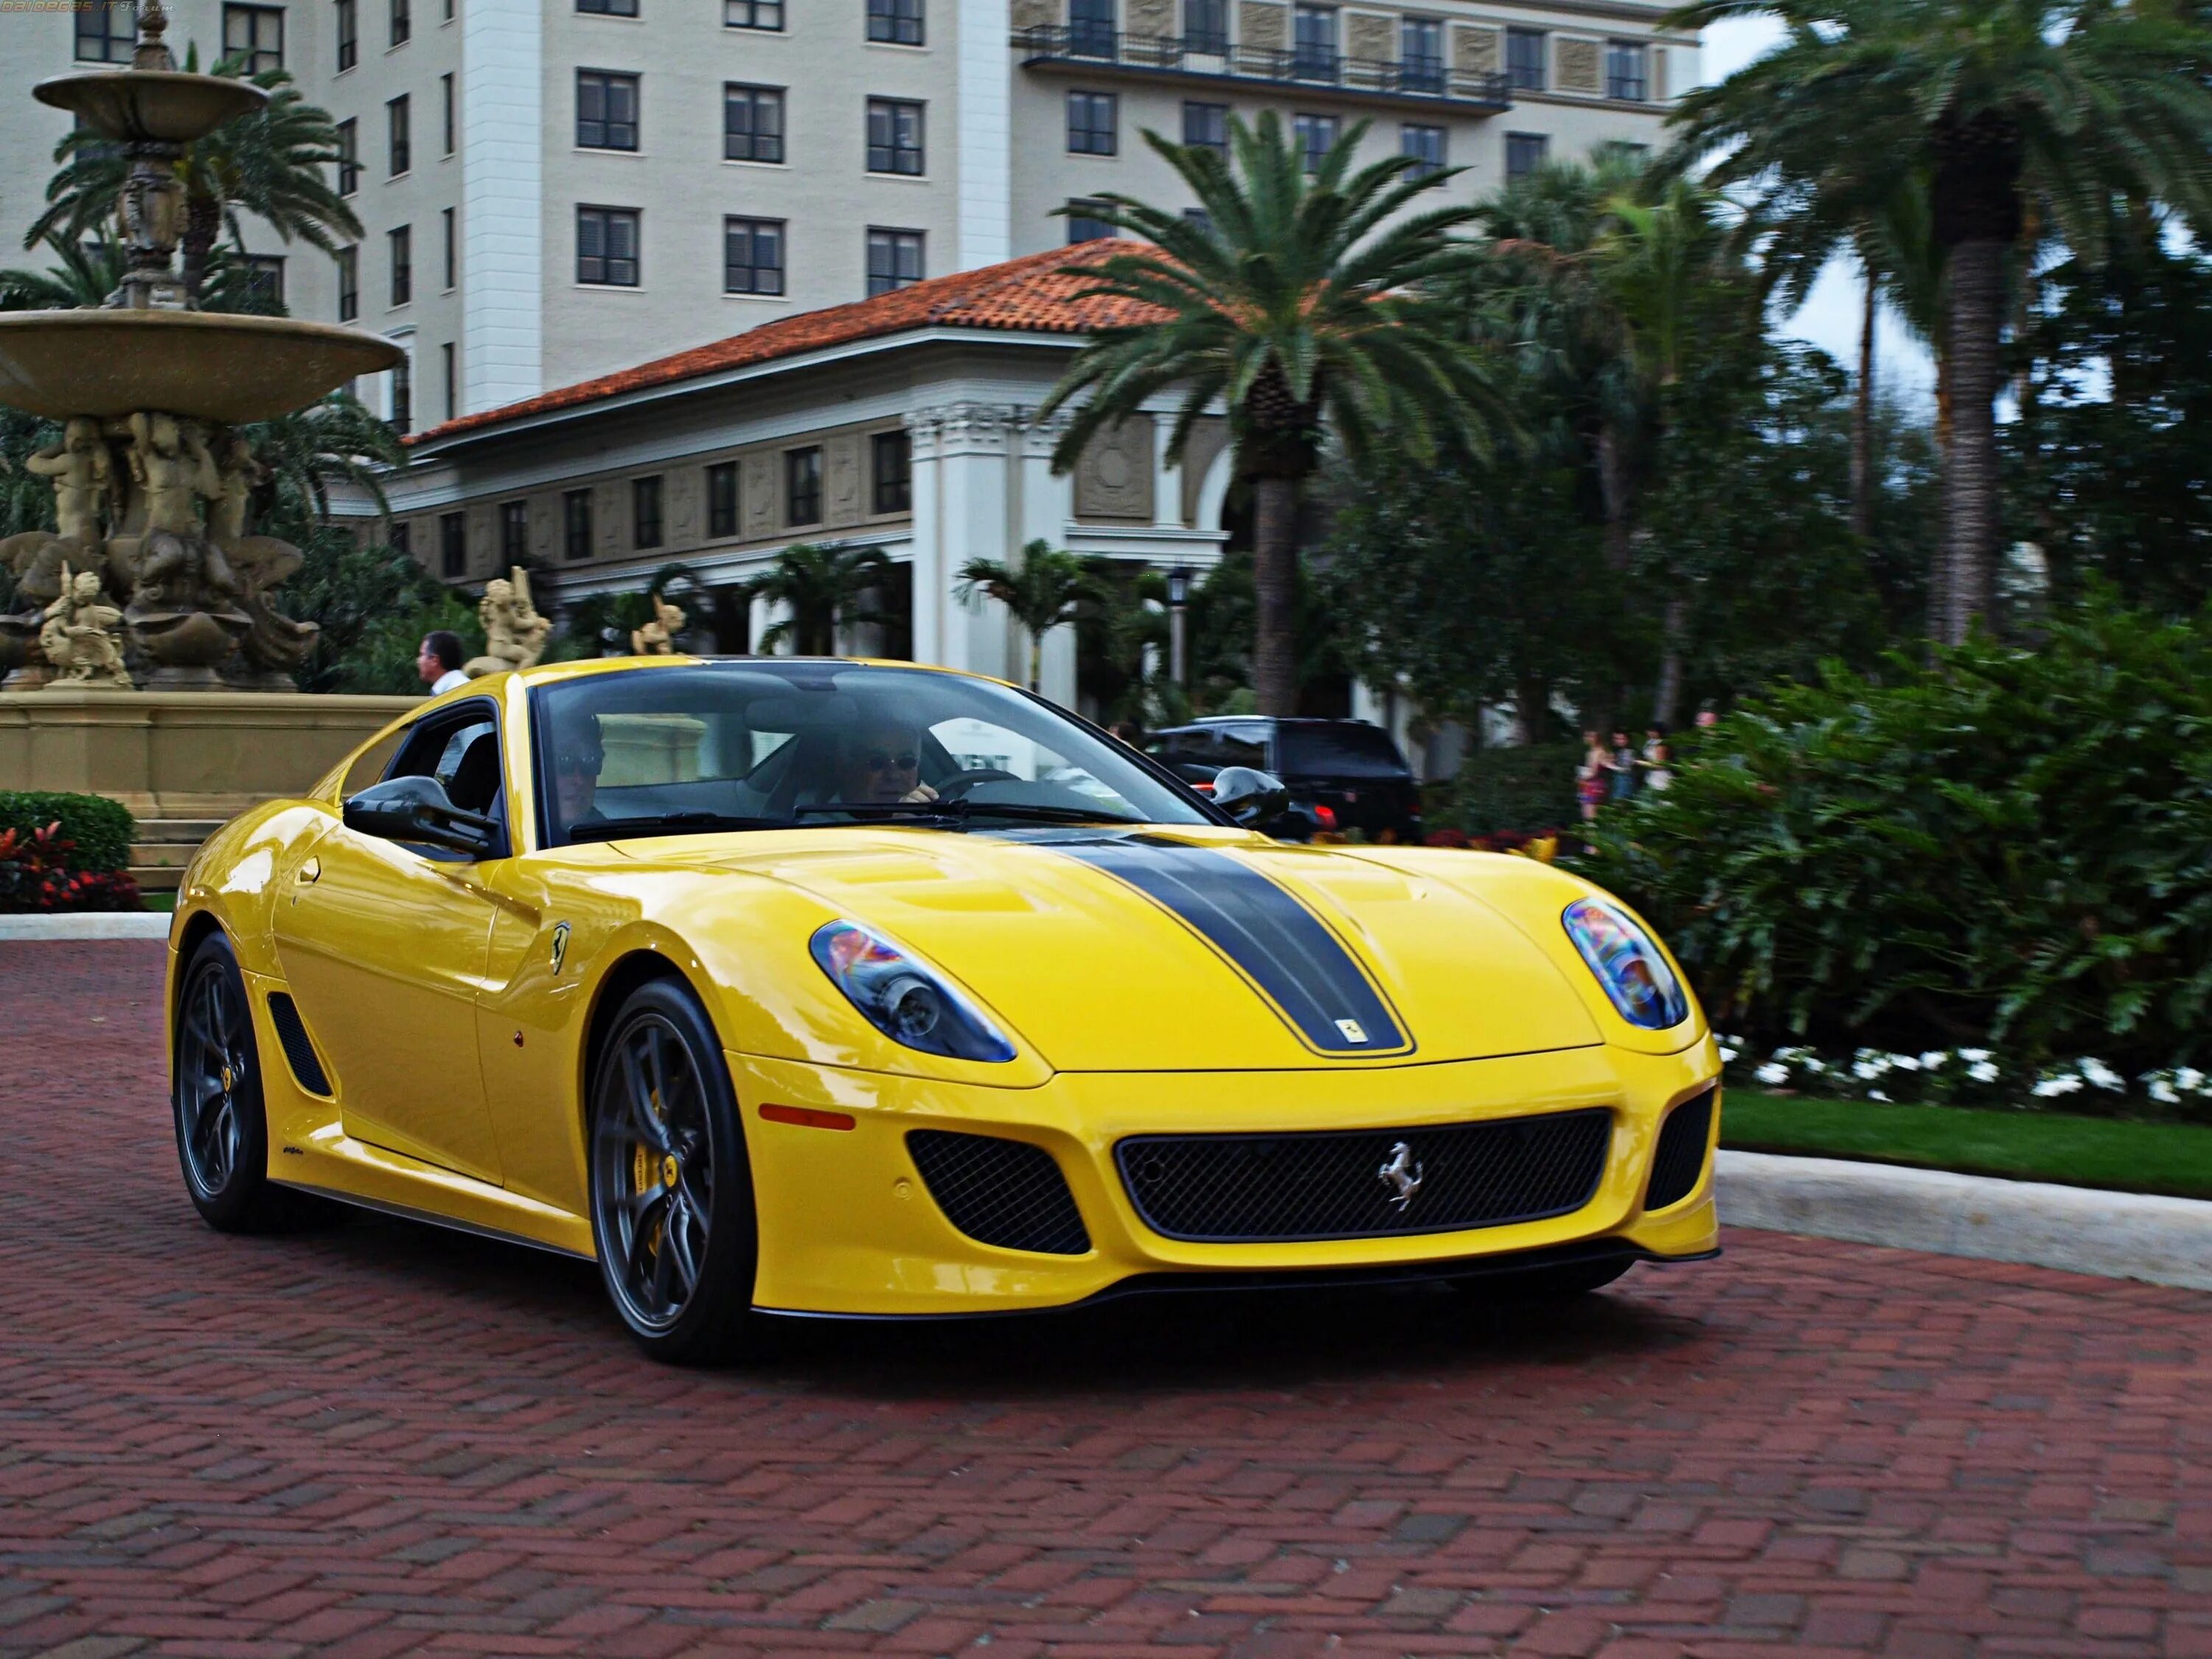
column 310, row 872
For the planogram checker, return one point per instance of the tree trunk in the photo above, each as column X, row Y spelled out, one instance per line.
column 1037, row 659
column 1532, row 701
column 202, row 223
column 1675, row 621
column 1616, row 491
column 1970, row 522
column 1862, row 420
column 1939, row 570
column 1274, row 592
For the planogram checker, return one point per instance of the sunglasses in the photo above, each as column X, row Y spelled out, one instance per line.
column 880, row 761
column 581, row 766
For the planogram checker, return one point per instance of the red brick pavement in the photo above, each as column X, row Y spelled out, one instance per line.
column 379, row 1439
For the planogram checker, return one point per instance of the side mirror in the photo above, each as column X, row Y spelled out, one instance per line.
column 1249, row 796
column 418, row 810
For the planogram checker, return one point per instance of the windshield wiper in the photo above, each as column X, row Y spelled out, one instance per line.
column 674, row 824
column 960, row 812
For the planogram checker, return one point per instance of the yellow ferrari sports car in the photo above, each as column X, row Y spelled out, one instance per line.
column 788, row 985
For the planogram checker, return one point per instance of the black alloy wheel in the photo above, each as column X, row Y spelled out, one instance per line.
column 223, row 1130
column 672, row 1190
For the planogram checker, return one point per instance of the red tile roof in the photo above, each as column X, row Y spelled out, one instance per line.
column 1034, row 294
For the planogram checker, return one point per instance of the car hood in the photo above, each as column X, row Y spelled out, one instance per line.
column 1160, row 951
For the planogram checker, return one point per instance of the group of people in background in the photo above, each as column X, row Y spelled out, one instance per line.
column 1617, row 771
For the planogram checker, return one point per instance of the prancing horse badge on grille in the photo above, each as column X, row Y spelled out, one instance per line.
column 1403, row 1172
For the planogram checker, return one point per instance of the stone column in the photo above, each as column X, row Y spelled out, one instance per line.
column 1046, row 508
column 976, row 523
column 925, row 433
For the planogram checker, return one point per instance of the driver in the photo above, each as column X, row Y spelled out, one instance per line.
column 578, row 756
column 882, row 763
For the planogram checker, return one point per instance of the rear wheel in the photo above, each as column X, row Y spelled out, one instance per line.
column 672, row 1190
column 222, row 1129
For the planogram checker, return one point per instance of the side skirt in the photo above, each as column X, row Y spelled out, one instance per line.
column 409, row 1213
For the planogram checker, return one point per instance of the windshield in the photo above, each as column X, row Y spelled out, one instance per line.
column 766, row 745
column 1339, row 751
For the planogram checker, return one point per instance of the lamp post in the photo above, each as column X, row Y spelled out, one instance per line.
column 1178, row 596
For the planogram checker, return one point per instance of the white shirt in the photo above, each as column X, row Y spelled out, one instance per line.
column 446, row 681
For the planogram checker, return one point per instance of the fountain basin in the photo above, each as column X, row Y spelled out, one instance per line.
column 152, row 106
column 206, row 366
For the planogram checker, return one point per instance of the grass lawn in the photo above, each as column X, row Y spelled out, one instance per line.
column 2075, row 1151
column 163, row 901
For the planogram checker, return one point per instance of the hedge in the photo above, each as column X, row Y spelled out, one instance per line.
column 1528, row 789
column 99, row 831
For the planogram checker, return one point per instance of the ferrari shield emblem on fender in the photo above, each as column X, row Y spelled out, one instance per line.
column 560, row 945
column 1403, row 1172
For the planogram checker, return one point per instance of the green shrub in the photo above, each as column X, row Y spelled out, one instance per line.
column 99, row 831
column 1527, row 788
column 2006, row 849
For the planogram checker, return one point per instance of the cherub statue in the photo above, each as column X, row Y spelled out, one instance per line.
column 79, row 637
column 657, row 637
column 514, row 634
column 179, row 567
column 82, row 472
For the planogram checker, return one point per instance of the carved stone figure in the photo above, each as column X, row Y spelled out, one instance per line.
column 83, row 473
column 657, row 637
column 79, row 638
column 514, row 634
column 275, row 644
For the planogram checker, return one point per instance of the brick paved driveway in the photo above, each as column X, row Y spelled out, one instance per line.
column 379, row 1439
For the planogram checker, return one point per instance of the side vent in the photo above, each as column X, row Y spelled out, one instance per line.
column 1680, row 1157
column 299, row 1053
column 1006, row 1193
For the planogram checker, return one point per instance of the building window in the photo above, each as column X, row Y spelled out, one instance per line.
column 1092, row 121
column 1624, row 74
column 514, row 532
column 576, row 524
column 1524, row 59
column 348, row 33
column 1426, row 146
column 403, row 264
column 645, row 512
column 606, row 110
column 403, row 24
column 606, row 246
column 1421, row 54
column 894, row 136
column 1206, row 27
column 403, row 539
column 348, row 157
column 722, row 499
column 897, row 21
column 446, row 98
column 1090, row 28
column 802, row 486
column 451, row 364
column 400, row 153
column 891, row 468
column 264, row 283
column 1206, row 126
column 452, row 545
column 752, row 256
column 1316, row 136
column 752, row 14
column 752, row 124
column 608, row 7
column 893, row 259
column 403, row 396
column 255, row 36
column 349, row 264
column 106, row 33
column 1313, row 56
column 453, row 251
column 1085, row 224
column 1524, row 153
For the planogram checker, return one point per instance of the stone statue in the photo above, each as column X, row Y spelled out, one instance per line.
column 83, row 473
column 657, row 637
column 514, row 634
column 79, row 637
column 275, row 645
column 178, row 568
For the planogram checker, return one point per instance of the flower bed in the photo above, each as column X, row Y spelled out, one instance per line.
column 40, row 872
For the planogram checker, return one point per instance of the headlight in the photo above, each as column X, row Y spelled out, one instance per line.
column 901, row 998
column 1627, row 964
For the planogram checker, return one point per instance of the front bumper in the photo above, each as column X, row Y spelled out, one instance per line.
column 848, row 1225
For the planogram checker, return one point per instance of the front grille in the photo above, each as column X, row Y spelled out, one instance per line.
column 1335, row 1184
column 1680, row 1158
column 299, row 1053
column 1006, row 1193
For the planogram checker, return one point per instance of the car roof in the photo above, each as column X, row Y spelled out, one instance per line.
column 583, row 667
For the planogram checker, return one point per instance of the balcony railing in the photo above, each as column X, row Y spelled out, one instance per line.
column 1420, row 79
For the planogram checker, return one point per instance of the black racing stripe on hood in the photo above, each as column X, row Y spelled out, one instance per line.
column 1282, row 946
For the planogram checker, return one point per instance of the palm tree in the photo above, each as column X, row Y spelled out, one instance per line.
column 1297, row 301
column 1042, row 592
column 271, row 163
column 303, row 453
column 2004, row 106
column 824, row 588
column 88, row 274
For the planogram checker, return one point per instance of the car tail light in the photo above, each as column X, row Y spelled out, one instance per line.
column 1324, row 815
column 1205, row 789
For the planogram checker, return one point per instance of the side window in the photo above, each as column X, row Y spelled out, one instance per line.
column 460, row 749
column 372, row 764
column 1243, row 745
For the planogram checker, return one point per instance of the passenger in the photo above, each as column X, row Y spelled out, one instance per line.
column 882, row 763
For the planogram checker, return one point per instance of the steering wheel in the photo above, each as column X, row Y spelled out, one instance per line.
column 953, row 788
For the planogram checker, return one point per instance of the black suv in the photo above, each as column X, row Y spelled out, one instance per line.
column 1342, row 775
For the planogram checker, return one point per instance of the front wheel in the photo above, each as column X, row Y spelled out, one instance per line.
column 215, row 1091
column 671, row 1188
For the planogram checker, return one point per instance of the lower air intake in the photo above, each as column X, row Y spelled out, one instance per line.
column 1365, row 1183
column 1680, row 1158
column 1006, row 1193
column 299, row 1053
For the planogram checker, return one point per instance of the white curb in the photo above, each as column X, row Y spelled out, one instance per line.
column 87, row 924
column 2162, row 1241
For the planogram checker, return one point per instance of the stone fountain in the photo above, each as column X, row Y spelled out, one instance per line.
column 151, row 485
